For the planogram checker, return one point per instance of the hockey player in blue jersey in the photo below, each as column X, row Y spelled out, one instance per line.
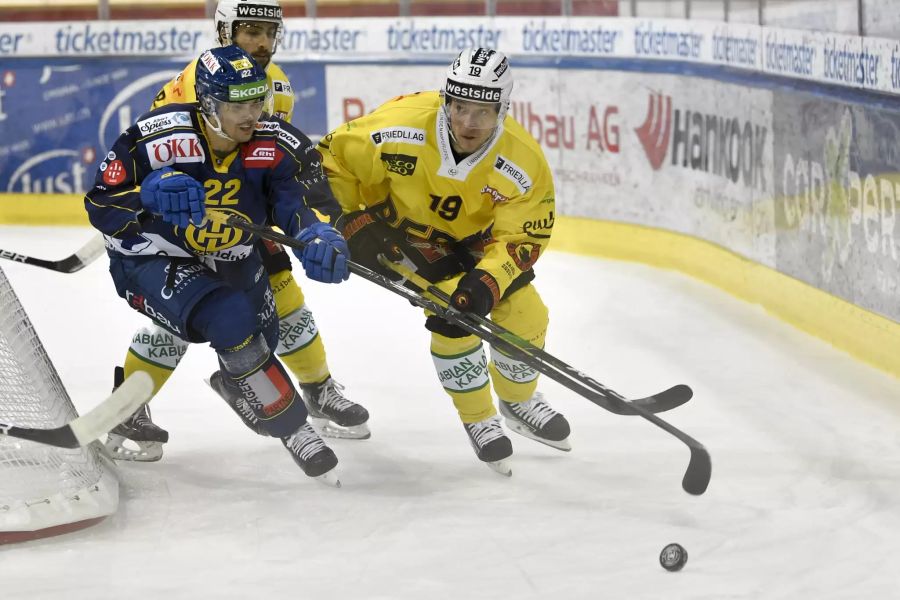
column 205, row 282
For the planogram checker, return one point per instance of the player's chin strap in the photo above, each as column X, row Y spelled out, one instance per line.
column 216, row 128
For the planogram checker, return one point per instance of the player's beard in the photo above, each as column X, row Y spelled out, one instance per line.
column 263, row 59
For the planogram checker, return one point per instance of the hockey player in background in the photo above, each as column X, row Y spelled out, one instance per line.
column 203, row 282
column 460, row 188
column 256, row 26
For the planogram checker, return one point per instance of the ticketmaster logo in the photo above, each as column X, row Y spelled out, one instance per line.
column 405, row 135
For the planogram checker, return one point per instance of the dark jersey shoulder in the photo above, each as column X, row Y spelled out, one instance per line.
column 167, row 118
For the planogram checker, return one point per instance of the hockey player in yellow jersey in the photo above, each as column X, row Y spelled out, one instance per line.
column 255, row 26
column 467, row 196
column 237, row 23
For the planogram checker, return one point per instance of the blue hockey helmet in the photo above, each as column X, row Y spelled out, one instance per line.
column 229, row 76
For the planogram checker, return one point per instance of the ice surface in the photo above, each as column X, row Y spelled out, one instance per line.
column 805, row 443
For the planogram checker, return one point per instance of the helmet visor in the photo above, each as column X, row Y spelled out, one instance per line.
column 259, row 38
column 239, row 111
column 471, row 115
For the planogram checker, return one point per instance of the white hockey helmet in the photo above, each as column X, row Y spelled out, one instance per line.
column 231, row 12
column 480, row 75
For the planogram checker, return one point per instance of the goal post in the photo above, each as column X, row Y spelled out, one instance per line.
column 44, row 490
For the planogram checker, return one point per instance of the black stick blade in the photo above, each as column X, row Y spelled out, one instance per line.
column 699, row 471
column 665, row 400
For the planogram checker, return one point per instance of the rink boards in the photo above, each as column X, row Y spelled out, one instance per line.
column 794, row 178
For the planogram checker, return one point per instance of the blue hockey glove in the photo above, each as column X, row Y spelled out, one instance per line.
column 477, row 292
column 178, row 198
column 325, row 256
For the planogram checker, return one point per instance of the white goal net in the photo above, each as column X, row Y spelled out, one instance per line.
column 43, row 490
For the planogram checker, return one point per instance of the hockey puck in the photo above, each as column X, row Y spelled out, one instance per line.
column 673, row 557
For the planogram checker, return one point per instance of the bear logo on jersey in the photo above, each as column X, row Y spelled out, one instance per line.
column 524, row 254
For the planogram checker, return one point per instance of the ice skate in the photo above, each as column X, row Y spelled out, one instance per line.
column 490, row 444
column 138, row 438
column 537, row 420
column 332, row 414
column 312, row 455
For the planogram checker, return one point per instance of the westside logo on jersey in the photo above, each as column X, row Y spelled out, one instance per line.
column 175, row 148
column 514, row 173
column 163, row 122
column 282, row 87
column 406, row 135
column 402, row 164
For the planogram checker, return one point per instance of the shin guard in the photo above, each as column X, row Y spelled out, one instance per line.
column 300, row 346
column 461, row 366
column 156, row 351
column 264, row 385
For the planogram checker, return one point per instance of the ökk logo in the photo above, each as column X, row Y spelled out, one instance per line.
column 175, row 148
column 656, row 130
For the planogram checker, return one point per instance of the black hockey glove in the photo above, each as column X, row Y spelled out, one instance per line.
column 369, row 237
column 477, row 292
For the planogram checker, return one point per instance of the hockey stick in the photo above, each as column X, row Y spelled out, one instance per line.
column 82, row 258
column 121, row 404
column 696, row 477
column 661, row 402
column 699, row 470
